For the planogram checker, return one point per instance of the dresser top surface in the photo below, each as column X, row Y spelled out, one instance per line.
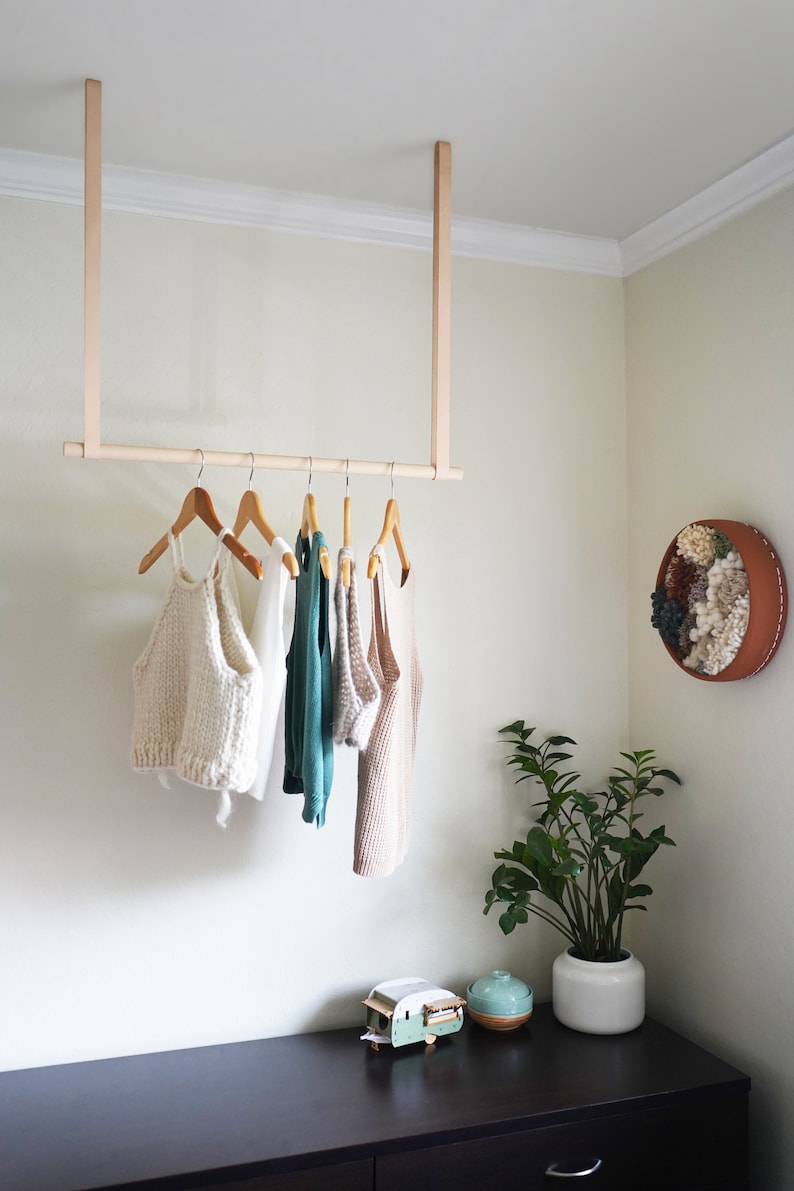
column 242, row 1105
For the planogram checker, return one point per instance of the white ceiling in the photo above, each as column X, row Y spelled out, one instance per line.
column 592, row 117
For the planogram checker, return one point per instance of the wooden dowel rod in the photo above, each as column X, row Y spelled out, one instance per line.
column 442, row 284
column 93, row 267
column 305, row 463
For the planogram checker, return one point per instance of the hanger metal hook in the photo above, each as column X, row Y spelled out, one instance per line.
column 251, row 474
column 347, row 477
column 392, row 479
column 311, row 469
column 201, row 469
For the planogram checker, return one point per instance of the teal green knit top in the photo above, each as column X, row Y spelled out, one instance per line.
column 309, row 747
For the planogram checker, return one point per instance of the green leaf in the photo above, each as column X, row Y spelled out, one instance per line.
column 507, row 922
column 568, row 868
column 518, row 880
column 539, row 846
column 621, row 845
column 527, row 764
column 529, row 860
column 615, row 891
column 558, row 740
column 518, row 729
column 584, row 802
column 671, row 777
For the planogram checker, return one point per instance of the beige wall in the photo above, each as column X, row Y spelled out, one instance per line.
column 710, row 391
column 130, row 921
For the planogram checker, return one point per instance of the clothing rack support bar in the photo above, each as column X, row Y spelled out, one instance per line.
column 442, row 285
column 93, row 448
column 360, row 467
column 93, row 267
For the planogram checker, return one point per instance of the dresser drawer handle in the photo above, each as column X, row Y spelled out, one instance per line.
column 553, row 1173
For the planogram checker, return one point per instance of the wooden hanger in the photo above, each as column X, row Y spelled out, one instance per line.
column 346, row 530
column 310, row 524
column 250, row 511
column 198, row 503
column 391, row 526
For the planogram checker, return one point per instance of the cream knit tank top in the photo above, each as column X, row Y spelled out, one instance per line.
column 198, row 684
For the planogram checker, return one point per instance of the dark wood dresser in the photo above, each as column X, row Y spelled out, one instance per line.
column 324, row 1112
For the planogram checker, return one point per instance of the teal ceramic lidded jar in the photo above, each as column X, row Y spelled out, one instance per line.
column 499, row 1001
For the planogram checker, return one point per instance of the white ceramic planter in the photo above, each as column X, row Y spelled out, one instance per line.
column 598, row 998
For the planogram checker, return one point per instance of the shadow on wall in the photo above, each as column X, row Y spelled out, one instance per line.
column 77, row 616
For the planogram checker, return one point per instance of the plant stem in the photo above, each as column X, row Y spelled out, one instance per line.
column 558, row 925
column 627, row 862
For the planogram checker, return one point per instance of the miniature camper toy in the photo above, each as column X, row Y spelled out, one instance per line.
column 410, row 1010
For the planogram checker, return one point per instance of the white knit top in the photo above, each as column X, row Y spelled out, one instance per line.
column 385, row 768
column 267, row 638
column 356, row 693
column 198, row 684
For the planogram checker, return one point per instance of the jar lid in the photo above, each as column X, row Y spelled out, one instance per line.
column 501, row 994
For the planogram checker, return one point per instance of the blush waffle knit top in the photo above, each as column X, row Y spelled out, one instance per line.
column 198, row 685
column 309, row 747
column 385, row 767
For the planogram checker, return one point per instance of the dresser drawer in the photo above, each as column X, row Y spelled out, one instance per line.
column 687, row 1148
column 345, row 1176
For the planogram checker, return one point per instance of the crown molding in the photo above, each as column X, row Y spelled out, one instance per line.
column 176, row 196
column 520, row 245
column 747, row 186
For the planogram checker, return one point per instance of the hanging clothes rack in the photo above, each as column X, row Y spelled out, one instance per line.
column 92, row 446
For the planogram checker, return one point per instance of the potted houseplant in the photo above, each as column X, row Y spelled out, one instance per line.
column 578, row 870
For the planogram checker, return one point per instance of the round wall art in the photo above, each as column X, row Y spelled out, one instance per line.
column 720, row 600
